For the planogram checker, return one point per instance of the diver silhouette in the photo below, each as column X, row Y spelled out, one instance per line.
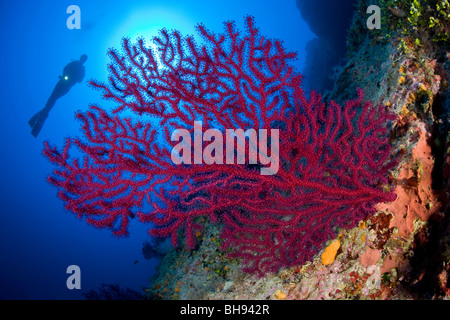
column 73, row 72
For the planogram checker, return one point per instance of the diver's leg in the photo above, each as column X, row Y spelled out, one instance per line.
column 48, row 106
column 60, row 90
column 37, row 121
column 42, row 113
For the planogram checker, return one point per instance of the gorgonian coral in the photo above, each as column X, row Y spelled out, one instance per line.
column 333, row 160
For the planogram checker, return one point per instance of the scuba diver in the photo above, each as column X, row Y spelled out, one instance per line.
column 73, row 72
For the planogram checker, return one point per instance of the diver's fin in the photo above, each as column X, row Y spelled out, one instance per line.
column 38, row 124
column 34, row 119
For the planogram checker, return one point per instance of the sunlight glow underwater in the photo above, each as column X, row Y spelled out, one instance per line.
column 146, row 24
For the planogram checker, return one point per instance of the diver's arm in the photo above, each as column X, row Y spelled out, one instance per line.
column 66, row 70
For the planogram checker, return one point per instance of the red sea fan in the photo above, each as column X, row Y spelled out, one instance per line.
column 333, row 160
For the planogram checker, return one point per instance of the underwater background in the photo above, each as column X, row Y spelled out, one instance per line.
column 39, row 239
column 395, row 145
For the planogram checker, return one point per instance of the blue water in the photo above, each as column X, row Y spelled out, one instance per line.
column 39, row 239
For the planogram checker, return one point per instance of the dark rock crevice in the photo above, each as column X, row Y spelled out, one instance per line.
column 330, row 21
